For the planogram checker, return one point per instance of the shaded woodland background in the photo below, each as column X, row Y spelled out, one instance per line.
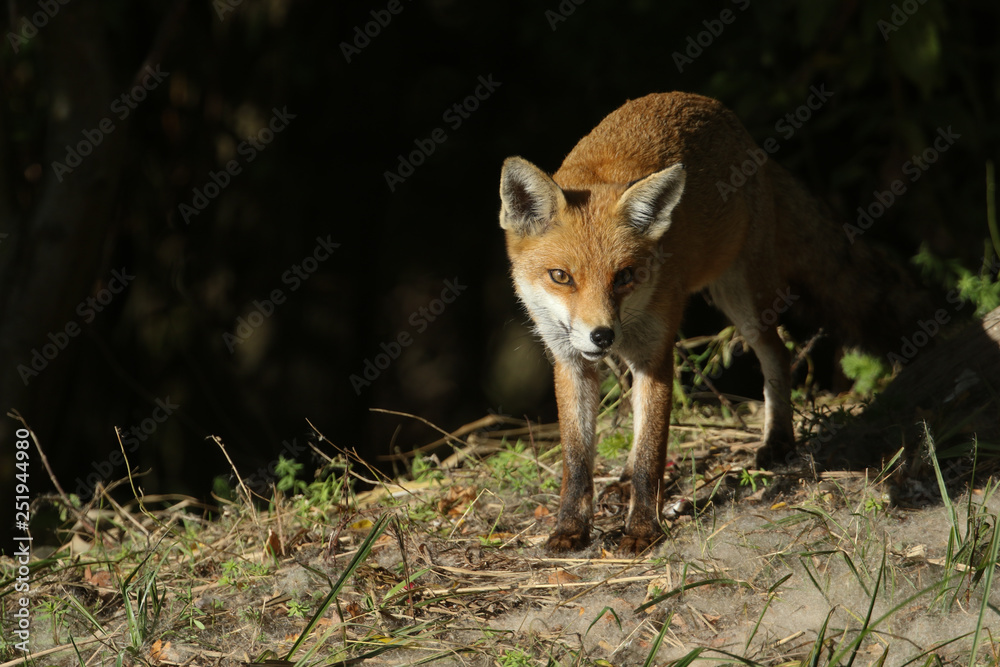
column 557, row 68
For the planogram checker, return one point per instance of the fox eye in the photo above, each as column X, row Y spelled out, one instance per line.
column 560, row 277
column 624, row 278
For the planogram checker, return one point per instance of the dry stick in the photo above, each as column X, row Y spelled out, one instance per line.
column 135, row 494
column 535, row 587
column 183, row 501
column 121, row 511
column 455, row 435
column 236, row 472
column 708, row 383
column 383, row 480
column 79, row 514
column 406, row 565
column 805, row 350
column 50, row 651
column 350, row 454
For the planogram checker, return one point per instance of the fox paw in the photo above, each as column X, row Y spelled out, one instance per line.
column 776, row 451
column 633, row 545
column 561, row 540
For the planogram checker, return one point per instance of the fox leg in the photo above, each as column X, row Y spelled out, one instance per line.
column 779, row 439
column 652, row 392
column 753, row 314
column 578, row 396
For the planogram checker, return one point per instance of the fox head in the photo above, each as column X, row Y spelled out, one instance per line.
column 584, row 262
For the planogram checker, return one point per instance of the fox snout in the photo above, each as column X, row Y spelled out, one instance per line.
column 594, row 342
column 603, row 337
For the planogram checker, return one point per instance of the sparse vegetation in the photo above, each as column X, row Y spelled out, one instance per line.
column 799, row 567
column 869, row 373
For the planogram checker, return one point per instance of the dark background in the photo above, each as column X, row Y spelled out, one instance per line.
column 358, row 105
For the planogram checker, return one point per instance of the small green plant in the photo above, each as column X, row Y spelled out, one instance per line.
column 490, row 542
column 421, row 513
column 981, row 288
column 143, row 601
column 55, row 610
column 869, row 373
column 874, row 505
column 515, row 468
column 194, row 618
column 515, row 658
column 236, row 573
column 330, row 489
column 752, row 479
column 614, row 445
column 611, row 389
column 425, row 469
column 296, row 609
column 287, row 470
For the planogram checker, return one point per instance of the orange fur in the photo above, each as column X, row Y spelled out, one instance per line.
column 605, row 252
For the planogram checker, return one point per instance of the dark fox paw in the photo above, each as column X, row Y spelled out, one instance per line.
column 571, row 540
column 775, row 451
column 637, row 541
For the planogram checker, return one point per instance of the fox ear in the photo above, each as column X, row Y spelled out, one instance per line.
column 529, row 197
column 648, row 202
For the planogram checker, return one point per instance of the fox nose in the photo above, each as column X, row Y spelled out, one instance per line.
column 603, row 337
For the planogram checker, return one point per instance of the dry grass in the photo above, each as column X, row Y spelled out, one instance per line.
column 448, row 565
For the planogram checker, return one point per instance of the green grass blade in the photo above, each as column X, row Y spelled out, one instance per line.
column 600, row 616
column 990, row 567
column 348, row 572
column 654, row 649
column 771, row 595
column 933, row 649
column 681, row 589
column 866, row 628
column 857, row 575
column 817, row 649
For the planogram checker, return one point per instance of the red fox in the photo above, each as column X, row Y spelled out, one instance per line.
column 644, row 211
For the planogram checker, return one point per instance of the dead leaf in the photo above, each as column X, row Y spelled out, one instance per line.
column 101, row 578
column 560, row 577
column 158, row 651
column 456, row 501
column 273, row 545
column 351, row 611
